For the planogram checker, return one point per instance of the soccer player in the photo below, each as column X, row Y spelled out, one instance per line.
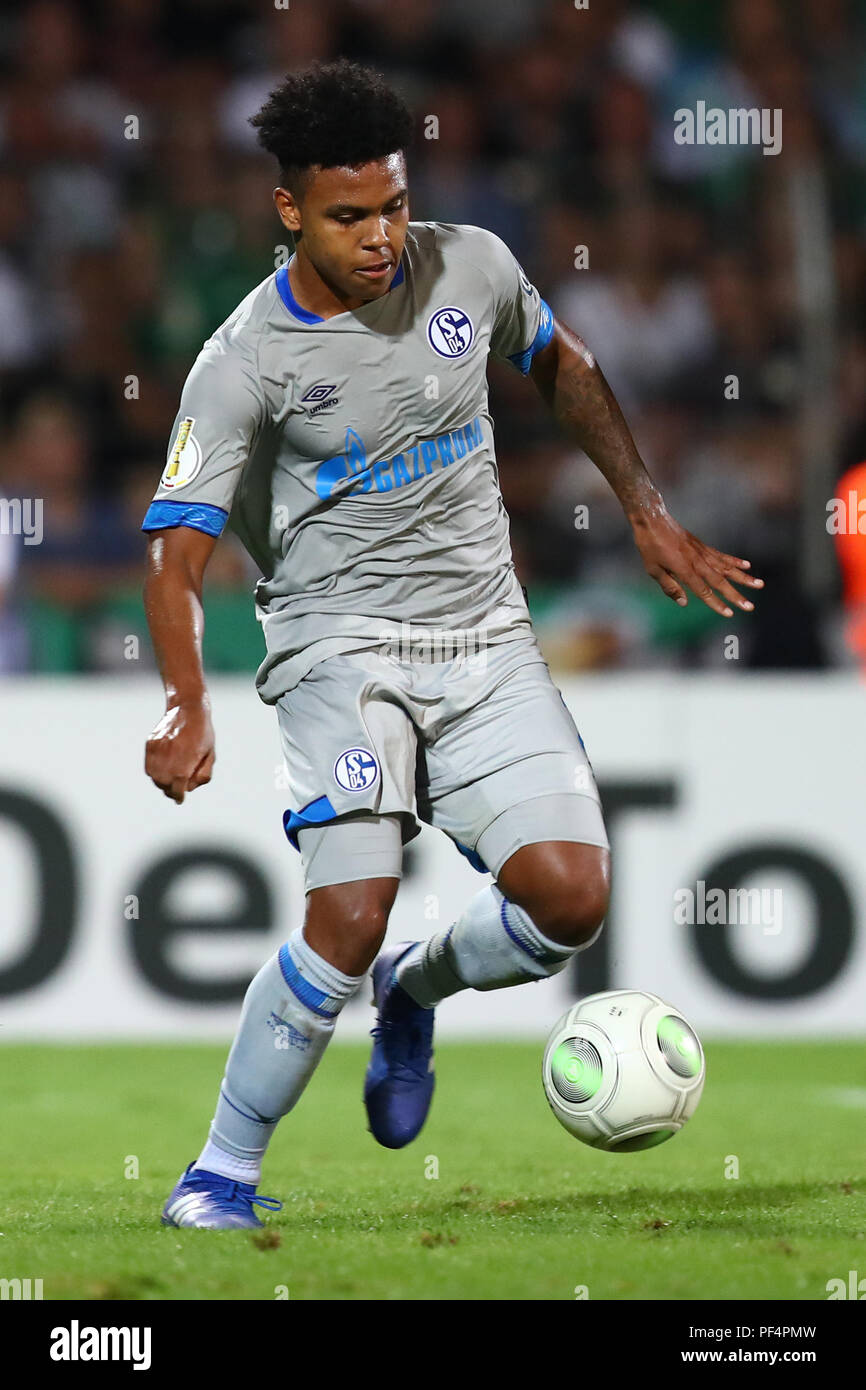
column 339, row 419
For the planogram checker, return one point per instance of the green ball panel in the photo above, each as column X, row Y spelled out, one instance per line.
column 576, row 1070
column 679, row 1046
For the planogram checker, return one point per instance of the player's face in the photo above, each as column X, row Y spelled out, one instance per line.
column 354, row 223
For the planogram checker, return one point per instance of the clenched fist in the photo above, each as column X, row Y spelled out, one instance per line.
column 180, row 751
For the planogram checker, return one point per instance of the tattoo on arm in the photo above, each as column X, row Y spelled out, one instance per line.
column 574, row 387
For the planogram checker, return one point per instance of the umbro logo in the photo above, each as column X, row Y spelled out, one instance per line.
column 319, row 397
column 287, row 1035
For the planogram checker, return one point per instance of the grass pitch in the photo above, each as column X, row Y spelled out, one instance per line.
column 493, row 1200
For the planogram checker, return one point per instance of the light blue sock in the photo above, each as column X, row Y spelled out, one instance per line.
column 492, row 945
column 288, row 1018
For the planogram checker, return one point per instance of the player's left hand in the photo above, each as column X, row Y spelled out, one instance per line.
column 674, row 558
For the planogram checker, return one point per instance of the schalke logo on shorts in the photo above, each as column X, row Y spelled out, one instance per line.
column 356, row 769
column 450, row 332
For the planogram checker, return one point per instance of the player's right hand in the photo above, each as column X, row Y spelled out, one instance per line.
column 180, row 752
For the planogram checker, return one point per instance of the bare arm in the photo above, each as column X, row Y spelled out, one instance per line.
column 180, row 751
column 572, row 384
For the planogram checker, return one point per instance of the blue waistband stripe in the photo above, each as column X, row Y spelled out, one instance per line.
column 474, row 858
column 317, row 812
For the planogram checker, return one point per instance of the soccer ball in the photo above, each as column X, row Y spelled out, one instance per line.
column 623, row 1070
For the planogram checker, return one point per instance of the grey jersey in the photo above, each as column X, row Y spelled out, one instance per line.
column 354, row 455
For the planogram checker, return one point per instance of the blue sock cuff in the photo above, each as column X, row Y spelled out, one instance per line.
column 314, row 981
column 525, row 934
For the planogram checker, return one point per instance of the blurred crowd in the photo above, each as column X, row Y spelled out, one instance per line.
column 136, row 211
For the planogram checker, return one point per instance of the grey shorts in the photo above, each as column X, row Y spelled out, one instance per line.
column 480, row 746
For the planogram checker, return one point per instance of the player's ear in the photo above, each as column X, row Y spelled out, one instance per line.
column 288, row 209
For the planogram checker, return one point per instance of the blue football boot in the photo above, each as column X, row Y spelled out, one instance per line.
column 214, row 1203
column 398, row 1087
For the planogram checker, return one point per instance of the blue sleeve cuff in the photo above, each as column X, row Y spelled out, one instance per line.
column 523, row 360
column 200, row 516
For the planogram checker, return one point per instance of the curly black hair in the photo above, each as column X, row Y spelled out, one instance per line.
column 331, row 114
